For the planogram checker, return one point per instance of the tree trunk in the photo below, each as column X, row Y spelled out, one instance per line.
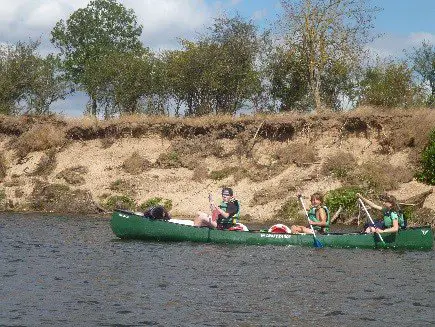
column 316, row 89
column 94, row 106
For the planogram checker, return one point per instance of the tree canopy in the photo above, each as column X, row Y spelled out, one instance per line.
column 326, row 35
column 91, row 33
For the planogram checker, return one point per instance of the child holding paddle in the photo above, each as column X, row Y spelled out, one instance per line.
column 392, row 216
column 318, row 216
column 224, row 215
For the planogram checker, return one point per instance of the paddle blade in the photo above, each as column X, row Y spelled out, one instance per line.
column 317, row 243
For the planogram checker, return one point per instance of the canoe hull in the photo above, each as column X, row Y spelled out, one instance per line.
column 127, row 225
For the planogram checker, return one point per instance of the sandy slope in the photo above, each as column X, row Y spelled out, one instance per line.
column 188, row 196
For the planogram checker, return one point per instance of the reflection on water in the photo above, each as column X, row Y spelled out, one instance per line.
column 73, row 271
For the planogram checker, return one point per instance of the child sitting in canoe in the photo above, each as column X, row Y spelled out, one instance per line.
column 318, row 214
column 223, row 216
column 392, row 216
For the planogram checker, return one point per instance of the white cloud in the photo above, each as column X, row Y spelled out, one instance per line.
column 259, row 14
column 415, row 39
column 45, row 15
column 394, row 45
column 163, row 20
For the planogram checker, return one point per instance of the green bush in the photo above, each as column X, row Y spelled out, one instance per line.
column 427, row 173
column 166, row 203
column 344, row 197
column 120, row 202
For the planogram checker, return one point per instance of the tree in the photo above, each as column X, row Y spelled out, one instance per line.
column 119, row 81
column 423, row 62
column 90, row 34
column 388, row 84
column 216, row 74
column 288, row 81
column 28, row 82
column 325, row 34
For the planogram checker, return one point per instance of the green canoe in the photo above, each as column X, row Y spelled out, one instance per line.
column 128, row 225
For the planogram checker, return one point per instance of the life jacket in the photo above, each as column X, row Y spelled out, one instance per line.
column 232, row 220
column 312, row 217
column 388, row 220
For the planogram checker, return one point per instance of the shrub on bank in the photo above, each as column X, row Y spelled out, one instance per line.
column 120, row 202
column 344, row 197
column 136, row 164
column 3, row 167
column 427, row 172
column 155, row 202
column 40, row 138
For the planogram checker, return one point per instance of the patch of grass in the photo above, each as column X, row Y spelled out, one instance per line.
column 136, row 164
column 200, row 146
column 170, row 159
column 107, row 142
column 19, row 193
column 297, row 153
column 40, row 138
column 3, row 166
column 223, row 173
column 200, row 173
column 73, row 175
column 2, row 195
column 166, row 203
column 120, row 202
column 340, row 165
column 46, row 164
column 124, row 187
column 61, row 198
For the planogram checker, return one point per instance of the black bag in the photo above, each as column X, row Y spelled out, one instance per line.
column 157, row 212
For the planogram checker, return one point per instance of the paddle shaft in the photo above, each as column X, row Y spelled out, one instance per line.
column 308, row 218
column 371, row 220
column 317, row 243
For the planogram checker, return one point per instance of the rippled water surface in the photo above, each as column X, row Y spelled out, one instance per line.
column 60, row 271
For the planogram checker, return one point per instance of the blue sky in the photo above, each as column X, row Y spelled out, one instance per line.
column 403, row 23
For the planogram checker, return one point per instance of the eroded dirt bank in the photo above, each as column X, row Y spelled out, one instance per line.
column 86, row 165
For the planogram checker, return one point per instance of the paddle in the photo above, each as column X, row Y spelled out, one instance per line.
column 317, row 243
column 371, row 220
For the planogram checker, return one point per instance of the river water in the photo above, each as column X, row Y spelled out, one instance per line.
column 72, row 271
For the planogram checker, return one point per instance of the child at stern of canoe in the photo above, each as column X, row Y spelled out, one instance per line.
column 393, row 218
column 318, row 214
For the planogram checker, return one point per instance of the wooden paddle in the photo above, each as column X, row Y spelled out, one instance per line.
column 371, row 220
column 317, row 243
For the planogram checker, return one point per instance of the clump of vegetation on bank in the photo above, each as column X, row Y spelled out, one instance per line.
column 156, row 201
column 47, row 197
column 46, row 164
column 427, row 171
column 136, row 164
column 74, row 175
column 39, row 138
column 3, row 166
